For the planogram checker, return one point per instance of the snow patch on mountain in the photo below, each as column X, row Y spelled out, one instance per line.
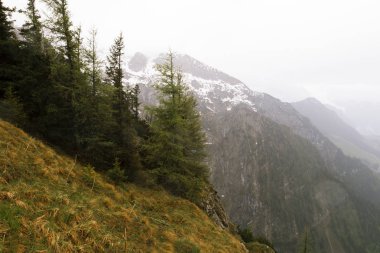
column 213, row 88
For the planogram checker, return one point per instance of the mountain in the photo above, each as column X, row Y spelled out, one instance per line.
column 274, row 170
column 215, row 90
column 362, row 115
column 50, row 203
column 339, row 132
column 277, row 184
column 375, row 140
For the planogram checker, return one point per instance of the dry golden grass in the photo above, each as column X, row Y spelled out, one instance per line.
column 50, row 203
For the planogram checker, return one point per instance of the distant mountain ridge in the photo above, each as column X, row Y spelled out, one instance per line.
column 362, row 114
column 338, row 131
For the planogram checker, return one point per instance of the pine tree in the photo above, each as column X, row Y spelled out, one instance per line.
column 24, row 71
column 98, row 124
column 62, row 28
column 78, row 48
column 175, row 151
column 93, row 63
column 125, row 134
column 11, row 109
column 9, row 52
column 194, row 139
column 56, row 84
column 32, row 29
column 5, row 23
column 115, row 77
column 134, row 101
column 67, row 77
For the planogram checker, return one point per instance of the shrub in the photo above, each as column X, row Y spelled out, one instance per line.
column 256, row 247
column 246, row 235
column 252, row 242
column 11, row 109
column 146, row 179
column 116, row 174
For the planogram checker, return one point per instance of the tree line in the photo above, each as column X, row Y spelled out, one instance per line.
column 54, row 84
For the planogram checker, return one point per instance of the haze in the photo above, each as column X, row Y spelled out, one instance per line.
column 290, row 49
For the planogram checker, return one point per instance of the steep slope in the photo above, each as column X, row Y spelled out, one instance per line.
column 356, row 175
column 49, row 203
column 276, row 183
column 338, row 131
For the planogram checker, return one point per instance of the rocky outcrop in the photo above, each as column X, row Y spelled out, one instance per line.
column 213, row 207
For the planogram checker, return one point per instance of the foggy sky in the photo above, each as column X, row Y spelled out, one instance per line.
column 292, row 49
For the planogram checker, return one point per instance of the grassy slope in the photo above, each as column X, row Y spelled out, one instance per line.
column 49, row 203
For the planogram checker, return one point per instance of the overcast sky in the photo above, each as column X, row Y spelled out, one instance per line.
column 292, row 49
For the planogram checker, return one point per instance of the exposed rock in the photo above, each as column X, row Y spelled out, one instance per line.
column 212, row 205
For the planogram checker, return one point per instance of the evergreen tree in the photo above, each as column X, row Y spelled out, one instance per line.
column 115, row 77
column 56, row 84
column 11, row 109
column 124, row 134
column 5, row 23
column 98, row 147
column 93, row 63
column 71, row 86
column 134, row 101
column 9, row 52
column 62, row 29
column 32, row 29
column 35, row 88
column 175, row 151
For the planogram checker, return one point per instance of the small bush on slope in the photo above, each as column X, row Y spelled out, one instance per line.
column 50, row 203
column 255, row 247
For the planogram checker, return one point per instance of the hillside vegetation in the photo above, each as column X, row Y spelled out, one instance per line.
column 50, row 203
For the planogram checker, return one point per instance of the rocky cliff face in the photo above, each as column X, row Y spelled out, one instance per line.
column 274, row 171
column 276, row 183
column 353, row 173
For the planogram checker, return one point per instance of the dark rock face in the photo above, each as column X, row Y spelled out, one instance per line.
column 276, row 183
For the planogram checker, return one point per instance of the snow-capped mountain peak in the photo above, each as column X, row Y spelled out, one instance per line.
column 214, row 89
